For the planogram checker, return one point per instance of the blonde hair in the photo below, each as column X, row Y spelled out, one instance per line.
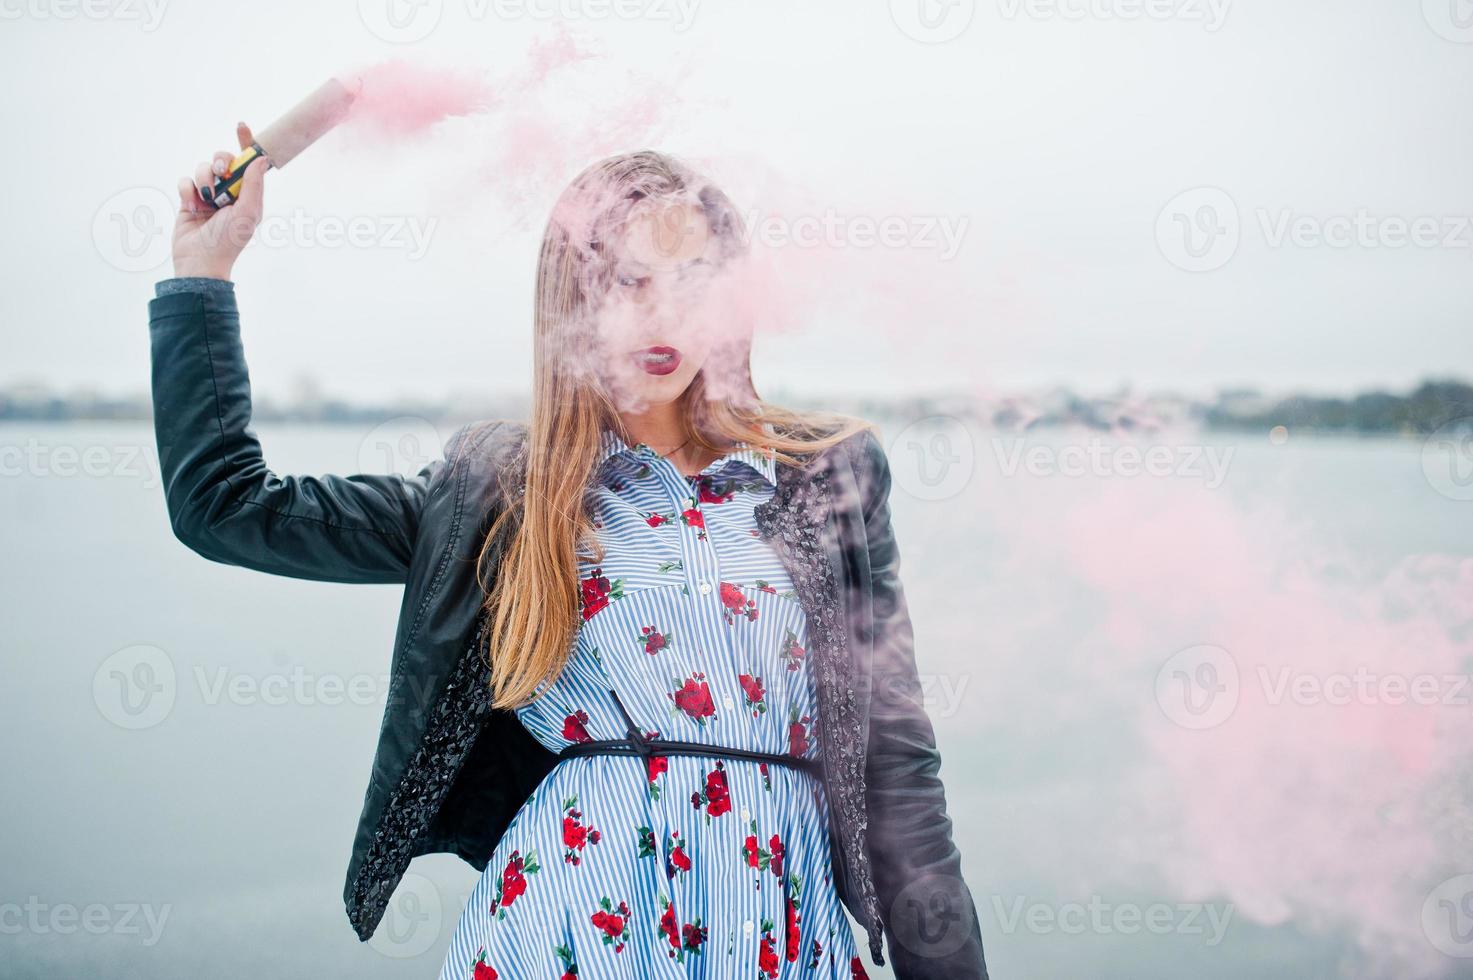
column 533, row 607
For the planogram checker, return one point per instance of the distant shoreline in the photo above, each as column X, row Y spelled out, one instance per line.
column 1429, row 406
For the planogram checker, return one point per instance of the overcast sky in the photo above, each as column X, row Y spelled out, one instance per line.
column 1172, row 194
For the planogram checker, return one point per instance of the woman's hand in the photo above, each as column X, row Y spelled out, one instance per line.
column 207, row 240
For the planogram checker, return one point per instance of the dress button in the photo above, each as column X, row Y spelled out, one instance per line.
column 729, row 702
column 747, row 927
column 746, row 815
column 705, row 588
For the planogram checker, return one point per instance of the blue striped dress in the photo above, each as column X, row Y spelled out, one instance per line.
column 685, row 866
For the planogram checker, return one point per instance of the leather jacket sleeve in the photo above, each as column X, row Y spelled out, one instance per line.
column 932, row 921
column 223, row 500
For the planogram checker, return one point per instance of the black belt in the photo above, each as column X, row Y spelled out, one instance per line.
column 635, row 743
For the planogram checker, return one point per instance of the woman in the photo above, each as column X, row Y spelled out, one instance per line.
column 653, row 673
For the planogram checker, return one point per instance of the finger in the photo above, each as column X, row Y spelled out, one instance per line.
column 204, row 179
column 243, row 134
column 252, row 187
column 220, row 165
column 189, row 199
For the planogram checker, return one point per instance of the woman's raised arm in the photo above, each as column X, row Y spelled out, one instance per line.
column 223, row 501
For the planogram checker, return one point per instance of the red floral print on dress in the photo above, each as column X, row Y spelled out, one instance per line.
column 795, row 933
column 654, row 641
column 655, row 519
column 693, row 696
column 656, row 767
column 576, row 834
column 753, row 693
column 612, row 922
column 714, row 796
column 815, row 953
column 763, row 585
column 688, row 938
column 596, row 591
column 856, row 970
column 769, row 858
column 482, row 970
column 736, row 602
column 792, row 653
column 513, row 880
column 770, row 589
column 693, row 935
column 669, row 928
column 798, row 732
column 574, row 727
column 676, row 860
column 767, row 958
column 707, row 492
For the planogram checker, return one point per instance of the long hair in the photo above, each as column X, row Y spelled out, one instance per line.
column 533, row 606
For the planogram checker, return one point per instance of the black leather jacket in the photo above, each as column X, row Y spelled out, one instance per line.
column 449, row 772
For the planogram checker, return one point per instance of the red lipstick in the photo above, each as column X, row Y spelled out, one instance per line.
column 657, row 360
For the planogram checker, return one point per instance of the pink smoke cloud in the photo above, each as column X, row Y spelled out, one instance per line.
column 1296, row 808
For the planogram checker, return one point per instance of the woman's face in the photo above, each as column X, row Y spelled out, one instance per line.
column 654, row 326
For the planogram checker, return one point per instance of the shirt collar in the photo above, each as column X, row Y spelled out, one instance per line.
column 764, row 465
